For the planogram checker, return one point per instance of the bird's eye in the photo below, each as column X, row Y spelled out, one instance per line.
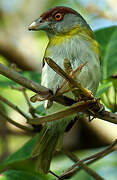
column 58, row 16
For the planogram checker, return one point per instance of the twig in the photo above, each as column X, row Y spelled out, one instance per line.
column 31, row 108
column 23, row 90
column 16, row 108
column 84, row 166
column 54, row 174
column 42, row 91
column 81, row 106
column 18, row 78
column 72, row 156
column 107, row 116
column 71, row 171
column 29, row 129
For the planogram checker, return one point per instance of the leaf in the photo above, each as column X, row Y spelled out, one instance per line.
column 114, row 80
column 5, row 82
column 34, row 76
column 22, row 154
column 20, row 175
column 40, row 110
column 107, row 39
column 103, row 88
column 3, row 60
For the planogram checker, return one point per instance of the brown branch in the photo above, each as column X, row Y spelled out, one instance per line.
column 89, row 160
column 28, row 129
column 23, row 90
column 18, row 78
column 42, row 91
column 3, row 136
column 107, row 116
column 16, row 108
column 84, row 166
column 81, row 106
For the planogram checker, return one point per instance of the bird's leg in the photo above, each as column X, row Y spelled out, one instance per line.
column 65, row 86
column 72, row 81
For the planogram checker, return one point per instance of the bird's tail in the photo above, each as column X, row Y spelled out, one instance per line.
column 47, row 143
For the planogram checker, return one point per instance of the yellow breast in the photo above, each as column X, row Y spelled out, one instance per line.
column 86, row 32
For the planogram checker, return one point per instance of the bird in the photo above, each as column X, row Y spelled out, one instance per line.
column 70, row 37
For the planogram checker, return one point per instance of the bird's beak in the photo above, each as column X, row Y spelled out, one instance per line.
column 39, row 25
column 33, row 26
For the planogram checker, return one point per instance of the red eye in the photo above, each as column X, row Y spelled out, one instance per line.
column 58, row 16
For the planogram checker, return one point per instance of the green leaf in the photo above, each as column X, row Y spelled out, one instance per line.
column 20, row 175
column 107, row 39
column 5, row 82
column 114, row 80
column 103, row 88
column 34, row 76
column 22, row 154
column 3, row 60
column 40, row 110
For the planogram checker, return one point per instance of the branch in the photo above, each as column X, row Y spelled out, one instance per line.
column 4, row 100
column 42, row 91
column 18, row 78
column 81, row 106
column 84, row 166
column 23, row 90
column 29, row 129
column 89, row 160
column 107, row 116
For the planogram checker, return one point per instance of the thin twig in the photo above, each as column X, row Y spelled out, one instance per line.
column 71, row 171
column 107, row 116
column 71, row 155
column 53, row 174
column 90, row 171
column 81, row 106
column 18, row 78
column 16, row 108
column 23, row 90
column 31, row 108
column 29, row 129
column 41, row 90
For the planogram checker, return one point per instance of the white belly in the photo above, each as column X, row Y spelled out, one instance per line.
column 78, row 52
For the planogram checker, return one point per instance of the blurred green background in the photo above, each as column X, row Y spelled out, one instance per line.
column 24, row 49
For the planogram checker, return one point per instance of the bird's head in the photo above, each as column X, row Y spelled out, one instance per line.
column 59, row 20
